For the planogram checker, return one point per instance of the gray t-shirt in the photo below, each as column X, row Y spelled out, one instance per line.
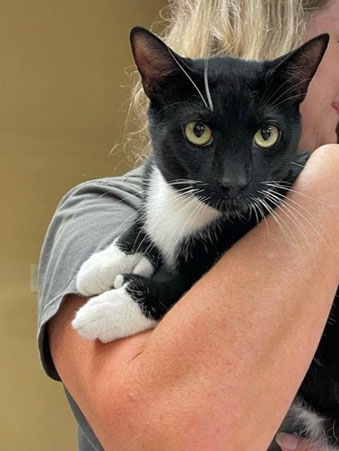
column 89, row 217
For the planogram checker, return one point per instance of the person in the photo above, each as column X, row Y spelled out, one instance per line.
column 216, row 373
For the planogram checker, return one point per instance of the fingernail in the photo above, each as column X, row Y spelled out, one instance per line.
column 287, row 441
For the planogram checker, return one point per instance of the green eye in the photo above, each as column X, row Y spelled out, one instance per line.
column 267, row 136
column 198, row 133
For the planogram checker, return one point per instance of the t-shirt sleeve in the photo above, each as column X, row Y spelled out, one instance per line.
column 89, row 217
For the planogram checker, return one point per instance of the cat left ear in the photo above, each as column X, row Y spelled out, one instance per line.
column 293, row 72
column 155, row 61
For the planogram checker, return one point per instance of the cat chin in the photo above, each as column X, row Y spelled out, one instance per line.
column 230, row 209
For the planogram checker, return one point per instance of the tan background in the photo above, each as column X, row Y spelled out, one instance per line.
column 61, row 70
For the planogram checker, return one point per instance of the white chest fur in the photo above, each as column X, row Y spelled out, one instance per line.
column 173, row 216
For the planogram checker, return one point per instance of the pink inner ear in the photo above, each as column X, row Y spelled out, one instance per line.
column 153, row 61
column 161, row 66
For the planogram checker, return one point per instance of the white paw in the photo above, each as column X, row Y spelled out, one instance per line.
column 97, row 274
column 110, row 316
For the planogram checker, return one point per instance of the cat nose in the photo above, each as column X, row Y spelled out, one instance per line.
column 233, row 190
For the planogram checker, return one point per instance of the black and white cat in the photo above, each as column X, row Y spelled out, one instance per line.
column 224, row 152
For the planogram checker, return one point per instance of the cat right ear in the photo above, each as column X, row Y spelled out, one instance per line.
column 293, row 72
column 156, row 62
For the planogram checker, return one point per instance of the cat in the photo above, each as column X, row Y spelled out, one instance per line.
column 224, row 136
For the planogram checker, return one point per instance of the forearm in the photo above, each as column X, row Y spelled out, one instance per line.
column 226, row 360
column 236, row 346
column 241, row 340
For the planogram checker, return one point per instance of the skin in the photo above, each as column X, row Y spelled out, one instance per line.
column 323, row 91
column 182, row 387
column 324, row 88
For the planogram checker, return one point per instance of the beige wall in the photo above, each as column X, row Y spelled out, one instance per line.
column 61, row 70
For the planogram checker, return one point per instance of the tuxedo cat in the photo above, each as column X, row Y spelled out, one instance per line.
column 224, row 136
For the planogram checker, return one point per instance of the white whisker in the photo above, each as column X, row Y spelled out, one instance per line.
column 280, row 222
column 282, row 205
column 207, row 89
column 277, row 184
column 190, row 79
column 296, row 209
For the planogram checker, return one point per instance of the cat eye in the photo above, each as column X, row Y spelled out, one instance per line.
column 198, row 133
column 267, row 136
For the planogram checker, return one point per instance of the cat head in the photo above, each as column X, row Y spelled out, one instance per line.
column 224, row 126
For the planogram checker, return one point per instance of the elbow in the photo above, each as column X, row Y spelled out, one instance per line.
column 121, row 420
column 146, row 421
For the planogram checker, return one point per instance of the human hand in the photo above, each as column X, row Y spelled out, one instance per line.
column 289, row 442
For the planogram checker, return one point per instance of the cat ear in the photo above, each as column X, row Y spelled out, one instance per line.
column 155, row 61
column 292, row 73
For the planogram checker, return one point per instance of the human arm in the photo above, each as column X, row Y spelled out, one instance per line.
column 191, row 383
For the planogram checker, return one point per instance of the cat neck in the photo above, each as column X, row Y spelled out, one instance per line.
column 172, row 216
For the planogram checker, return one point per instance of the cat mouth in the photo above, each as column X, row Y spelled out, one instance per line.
column 232, row 209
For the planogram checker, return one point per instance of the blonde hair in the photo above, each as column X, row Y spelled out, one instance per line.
column 250, row 29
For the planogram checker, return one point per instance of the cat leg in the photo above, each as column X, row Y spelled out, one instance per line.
column 132, row 253
column 135, row 305
column 154, row 296
column 110, row 316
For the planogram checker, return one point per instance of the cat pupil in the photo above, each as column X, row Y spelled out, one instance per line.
column 199, row 130
column 266, row 133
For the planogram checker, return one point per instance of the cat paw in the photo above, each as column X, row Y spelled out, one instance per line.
column 97, row 274
column 110, row 316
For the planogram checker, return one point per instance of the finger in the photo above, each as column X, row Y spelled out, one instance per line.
column 289, row 442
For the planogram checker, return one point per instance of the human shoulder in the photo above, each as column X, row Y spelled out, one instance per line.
column 88, row 218
column 124, row 188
